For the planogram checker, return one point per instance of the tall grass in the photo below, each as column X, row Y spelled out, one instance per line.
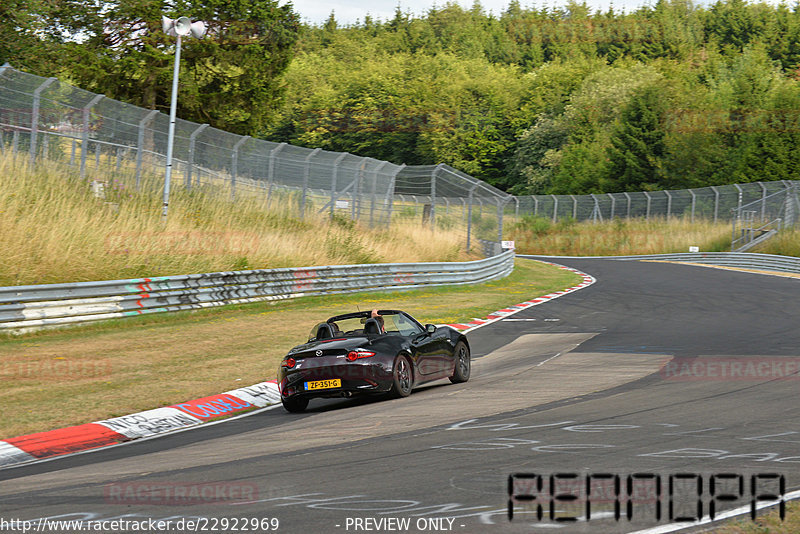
column 785, row 243
column 53, row 229
column 619, row 237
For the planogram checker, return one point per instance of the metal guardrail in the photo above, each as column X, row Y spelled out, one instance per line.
column 39, row 306
column 739, row 260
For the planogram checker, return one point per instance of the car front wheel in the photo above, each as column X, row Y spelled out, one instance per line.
column 463, row 365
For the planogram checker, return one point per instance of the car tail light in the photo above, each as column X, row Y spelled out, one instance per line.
column 288, row 363
column 353, row 355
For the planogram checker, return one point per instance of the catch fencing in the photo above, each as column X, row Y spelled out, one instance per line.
column 716, row 203
column 104, row 140
column 24, row 308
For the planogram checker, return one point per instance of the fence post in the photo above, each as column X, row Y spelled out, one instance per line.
column 271, row 169
column 235, row 164
column 555, row 208
column 334, row 178
column 85, row 137
column 535, row 205
column 433, row 196
column 139, row 147
column 374, row 188
column 613, row 203
column 3, row 67
column 306, row 174
column 190, row 158
column 469, row 214
column 716, row 202
column 500, row 205
column 647, row 196
column 763, row 201
column 355, row 214
column 390, row 195
column 574, row 207
column 37, row 93
column 694, row 201
column 627, row 196
column 739, row 204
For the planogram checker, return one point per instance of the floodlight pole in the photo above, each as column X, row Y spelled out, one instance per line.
column 176, row 28
column 171, row 136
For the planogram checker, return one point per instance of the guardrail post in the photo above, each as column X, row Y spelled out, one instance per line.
column 139, row 147
column 85, row 137
column 235, row 166
column 334, row 178
column 716, row 202
column 190, row 158
column 37, row 94
column 271, row 170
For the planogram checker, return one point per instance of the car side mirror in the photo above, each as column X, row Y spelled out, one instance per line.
column 430, row 328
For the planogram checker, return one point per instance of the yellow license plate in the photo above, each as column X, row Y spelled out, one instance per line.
column 324, row 384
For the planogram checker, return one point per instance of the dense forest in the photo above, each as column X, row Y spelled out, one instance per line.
column 533, row 100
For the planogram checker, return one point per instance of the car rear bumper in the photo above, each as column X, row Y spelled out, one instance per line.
column 356, row 377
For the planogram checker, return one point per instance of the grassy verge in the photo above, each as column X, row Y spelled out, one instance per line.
column 785, row 243
column 537, row 235
column 769, row 523
column 60, row 378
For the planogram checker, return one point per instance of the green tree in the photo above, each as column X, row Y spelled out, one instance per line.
column 637, row 144
column 230, row 79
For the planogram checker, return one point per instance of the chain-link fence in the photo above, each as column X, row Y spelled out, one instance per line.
column 716, row 203
column 760, row 219
column 101, row 138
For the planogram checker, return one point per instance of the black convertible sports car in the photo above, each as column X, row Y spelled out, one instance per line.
column 357, row 353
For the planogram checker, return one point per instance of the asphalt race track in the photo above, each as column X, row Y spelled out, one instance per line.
column 647, row 388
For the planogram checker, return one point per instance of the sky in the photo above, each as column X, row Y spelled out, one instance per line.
column 350, row 11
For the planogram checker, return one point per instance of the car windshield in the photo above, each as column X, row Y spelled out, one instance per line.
column 393, row 323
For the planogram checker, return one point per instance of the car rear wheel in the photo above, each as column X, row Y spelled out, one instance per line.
column 295, row 404
column 402, row 377
column 463, row 365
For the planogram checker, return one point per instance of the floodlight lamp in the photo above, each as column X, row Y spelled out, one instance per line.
column 183, row 26
column 198, row 29
column 168, row 25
